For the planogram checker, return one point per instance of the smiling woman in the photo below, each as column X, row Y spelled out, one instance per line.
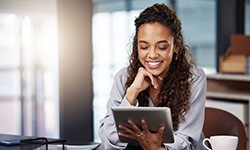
column 159, row 75
column 112, row 45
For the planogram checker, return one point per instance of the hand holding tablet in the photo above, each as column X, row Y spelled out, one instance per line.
column 155, row 117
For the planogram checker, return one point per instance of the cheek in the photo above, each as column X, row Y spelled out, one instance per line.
column 168, row 56
column 140, row 57
column 141, row 54
column 169, row 60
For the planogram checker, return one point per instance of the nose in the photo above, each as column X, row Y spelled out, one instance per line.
column 153, row 53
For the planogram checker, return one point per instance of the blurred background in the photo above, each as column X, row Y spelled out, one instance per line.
column 58, row 57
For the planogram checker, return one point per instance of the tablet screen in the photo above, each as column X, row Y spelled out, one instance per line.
column 154, row 117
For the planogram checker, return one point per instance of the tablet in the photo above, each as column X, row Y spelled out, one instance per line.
column 154, row 117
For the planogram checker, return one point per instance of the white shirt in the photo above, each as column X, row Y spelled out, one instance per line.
column 189, row 135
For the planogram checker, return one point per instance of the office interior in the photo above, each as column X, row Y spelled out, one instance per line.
column 58, row 58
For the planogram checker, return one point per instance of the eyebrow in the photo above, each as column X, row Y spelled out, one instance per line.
column 162, row 41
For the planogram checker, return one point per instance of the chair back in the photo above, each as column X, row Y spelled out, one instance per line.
column 220, row 122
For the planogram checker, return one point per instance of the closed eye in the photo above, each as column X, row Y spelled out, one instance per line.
column 162, row 48
column 144, row 48
column 143, row 45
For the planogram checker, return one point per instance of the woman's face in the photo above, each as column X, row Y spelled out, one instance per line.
column 155, row 48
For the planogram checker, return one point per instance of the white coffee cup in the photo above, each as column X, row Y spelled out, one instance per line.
column 221, row 142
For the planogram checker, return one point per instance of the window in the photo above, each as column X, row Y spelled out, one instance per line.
column 199, row 29
column 110, row 54
column 28, row 71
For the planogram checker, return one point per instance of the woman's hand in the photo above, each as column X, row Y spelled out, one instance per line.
column 147, row 139
column 142, row 81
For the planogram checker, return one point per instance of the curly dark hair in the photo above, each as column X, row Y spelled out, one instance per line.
column 175, row 91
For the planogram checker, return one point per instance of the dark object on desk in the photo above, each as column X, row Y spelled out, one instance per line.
column 10, row 142
column 18, row 142
column 30, row 144
column 14, row 139
column 24, row 139
column 220, row 122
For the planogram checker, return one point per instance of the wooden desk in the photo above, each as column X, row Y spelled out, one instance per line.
column 230, row 87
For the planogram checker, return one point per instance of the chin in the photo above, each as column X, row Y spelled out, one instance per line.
column 155, row 73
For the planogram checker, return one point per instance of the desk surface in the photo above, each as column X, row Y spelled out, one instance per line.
column 17, row 147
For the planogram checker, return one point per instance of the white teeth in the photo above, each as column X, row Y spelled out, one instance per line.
column 154, row 63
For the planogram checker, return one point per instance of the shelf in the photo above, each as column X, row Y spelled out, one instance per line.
column 229, row 96
column 234, row 77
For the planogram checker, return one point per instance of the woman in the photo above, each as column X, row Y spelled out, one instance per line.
column 160, row 74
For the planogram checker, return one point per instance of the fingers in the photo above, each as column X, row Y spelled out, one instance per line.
column 126, row 135
column 153, row 79
column 133, row 131
column 143, row 135
column 147, row 131
column 135, row 127
column 126, row 132
column 145, row 126
column 159, row 77
column 161, row 130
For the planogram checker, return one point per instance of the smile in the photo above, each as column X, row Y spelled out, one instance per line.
column 154, row 64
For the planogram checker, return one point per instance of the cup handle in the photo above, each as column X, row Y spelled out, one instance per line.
column 204, row 143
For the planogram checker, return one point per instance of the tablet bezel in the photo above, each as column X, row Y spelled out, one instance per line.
column 154, row 117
